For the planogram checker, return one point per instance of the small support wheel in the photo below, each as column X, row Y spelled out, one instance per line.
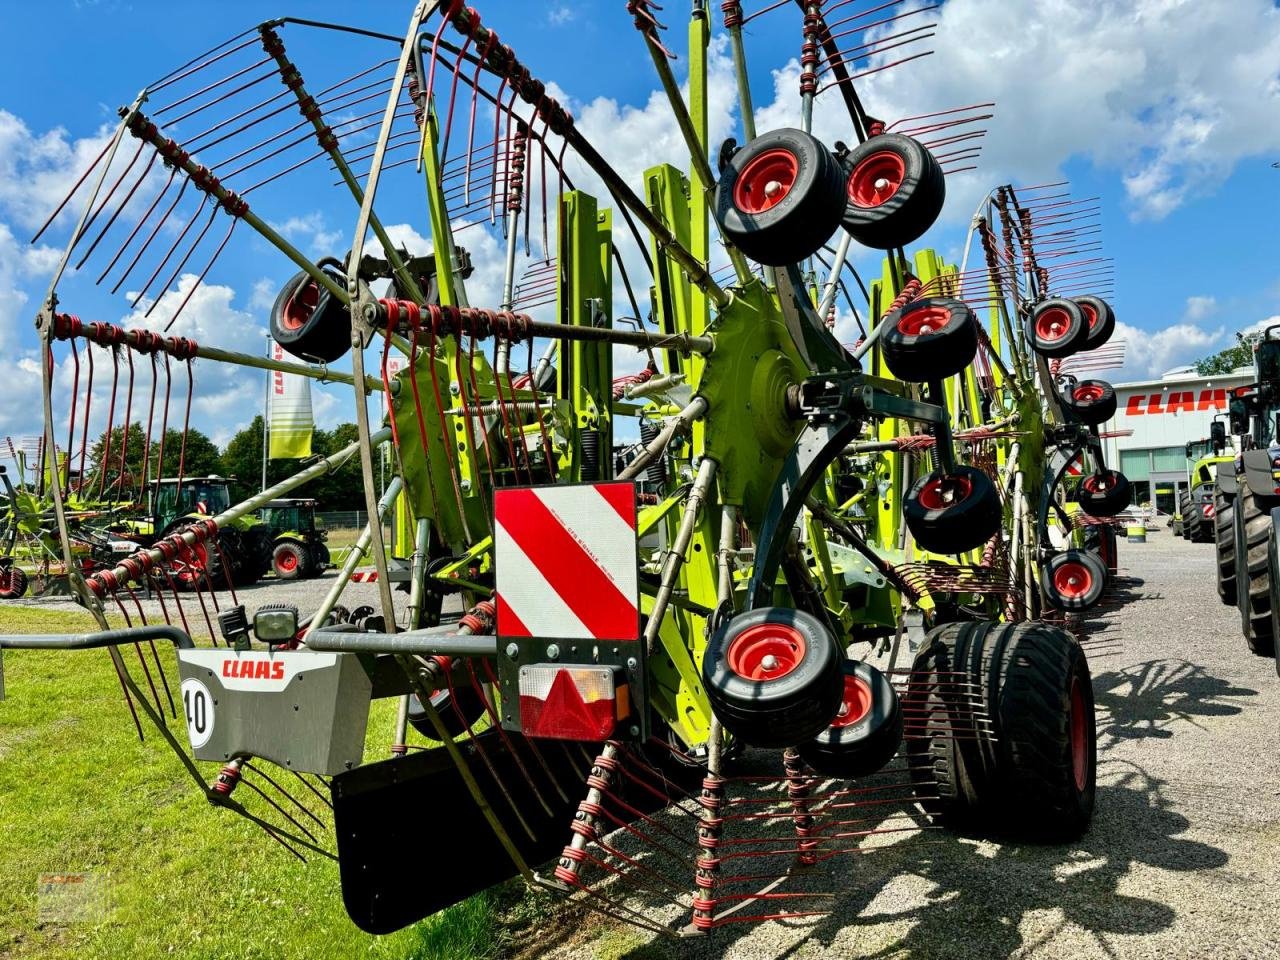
column 460, row 708
column 1092, row 401
column 13, row 582
column 1073, row 580
column 894, row 191
column 1103, row 494
column 1057, row 328
column 308, row 322
column 1100, row 318
column 866, row 731
column 779, row 197
column 773, row 676
column 929, row 339
column 951, row 513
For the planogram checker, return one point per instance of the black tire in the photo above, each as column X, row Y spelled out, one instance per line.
column 1100, row 319
column 459, row 709
column 1253, row 572
column 291, row 561
column 1103, row 494
column 322, row 559
column 1027, row 765
column 1193, row 523
column 1184, row 512
column 782, row 705
column 1224, row 543
column 894, row 191
column 929, row 339
column 308, row 322
column 210, row 561
column 13, row 583
column 1057, row 328
column 779, row 197
column 1073, row 580
column 951, row 514
column 866, row 731
column 1092, row 402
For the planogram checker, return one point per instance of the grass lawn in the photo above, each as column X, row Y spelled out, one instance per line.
column 80, row 794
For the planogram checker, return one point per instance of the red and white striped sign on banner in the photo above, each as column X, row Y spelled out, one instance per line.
column 566, row 563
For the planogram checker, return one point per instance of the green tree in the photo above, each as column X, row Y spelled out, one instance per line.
column 115, row 467
column 339, row 490
column 1239, row 354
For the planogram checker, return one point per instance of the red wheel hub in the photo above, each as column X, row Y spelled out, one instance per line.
column 875, row 179
column 1079, row 736
column 923, row 321
column 765, row 181
column 1073, row 580
column 1098, row 483
column 767, row 651
column 1090, row 315
column 299, row 307
column 855, row 704
column 1087, row 393
column 1053, row 324
column 288, row 562
column 944, row 492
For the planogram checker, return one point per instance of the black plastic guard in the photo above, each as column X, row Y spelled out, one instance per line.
column 1258, row 471
column 1226, row 477
column 411, row 840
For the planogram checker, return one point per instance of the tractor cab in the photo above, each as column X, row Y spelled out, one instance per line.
column 173, row 498
column 297, row 542
column 292, row 516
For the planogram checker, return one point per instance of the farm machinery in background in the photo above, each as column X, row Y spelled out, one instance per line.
column 298, row 548
column 817, row 617
column 1196, row 509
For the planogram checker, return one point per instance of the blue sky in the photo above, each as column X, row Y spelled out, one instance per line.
column 1165, row 109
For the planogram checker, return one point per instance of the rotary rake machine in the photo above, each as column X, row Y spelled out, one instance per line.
column 652, row 661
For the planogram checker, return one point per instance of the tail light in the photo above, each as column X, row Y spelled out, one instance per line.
column 572, row 702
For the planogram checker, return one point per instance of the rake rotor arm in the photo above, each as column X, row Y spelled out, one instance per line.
column 98, row 639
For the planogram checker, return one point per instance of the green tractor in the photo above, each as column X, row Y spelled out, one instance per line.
column 298, row 550
column 1194, row 520
column 241, row 550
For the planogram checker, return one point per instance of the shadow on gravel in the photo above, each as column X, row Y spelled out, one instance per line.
column 1147, row 699
column 966, row 900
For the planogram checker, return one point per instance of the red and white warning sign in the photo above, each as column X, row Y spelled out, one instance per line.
column 565, row 560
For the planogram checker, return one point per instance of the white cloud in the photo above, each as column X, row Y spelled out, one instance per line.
column 559, row 15
column 312, row 232
column 1198, row 308
column 1150, row 354
column 20, row 264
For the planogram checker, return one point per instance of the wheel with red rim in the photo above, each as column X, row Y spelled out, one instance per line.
column 291, row 560
column 866, row 731
column 1003, row 737
column 952, row 513
column 1073, row 580
column 1104, row 494
column 1057, row 328
column 13, row 582
column 894, row 190
column 308, row 322
column 1092, row 402
column 773, row 676
column 1100, row 319
column 929, row 339
column 779, row 197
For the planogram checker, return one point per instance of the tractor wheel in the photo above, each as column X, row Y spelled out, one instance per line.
column 13, row 583
column 1253, row 584
column 1092, row 401
column 866, row 731
column 1192, row 522
column 291, row 561
column 773, row 676
column 1057, row 328
column 322, row 559
column 460, row 708
column 1225, row 548
column 1103, row 494
column 308, row 322
column 1184, row 511
column 929, row 339
column 1026, row 764
column 209, row 562
column 1100, row 318
column 779, row 197
column 894, row 190
column 1073, row 580
column 953, row 513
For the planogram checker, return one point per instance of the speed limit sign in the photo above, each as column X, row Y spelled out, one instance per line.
column 198, row 706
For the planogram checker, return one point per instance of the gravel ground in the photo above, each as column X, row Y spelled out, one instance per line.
column 1183, row 856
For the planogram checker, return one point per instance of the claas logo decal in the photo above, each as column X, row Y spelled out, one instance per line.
column 254, row 669
column 1142, row 404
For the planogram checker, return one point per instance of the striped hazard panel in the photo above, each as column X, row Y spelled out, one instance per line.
column 565, row 559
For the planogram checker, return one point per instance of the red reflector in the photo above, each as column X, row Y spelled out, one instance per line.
column 571, row 703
